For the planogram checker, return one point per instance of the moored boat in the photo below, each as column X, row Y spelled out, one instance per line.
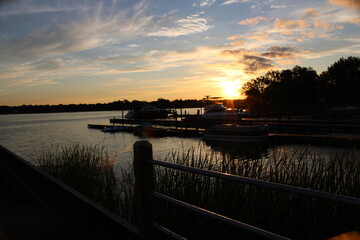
column 244, row 133
column 113, row 129
column 220, row 112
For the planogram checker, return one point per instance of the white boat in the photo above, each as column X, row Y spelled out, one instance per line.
column 252, row 134
column 148, row 112
column 220, row 112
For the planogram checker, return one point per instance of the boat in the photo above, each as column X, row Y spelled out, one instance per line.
column 148, row 112
column 220, row 112
column 113, row 129
column 235, row 133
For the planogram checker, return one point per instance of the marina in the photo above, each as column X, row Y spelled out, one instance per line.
column 300, row 131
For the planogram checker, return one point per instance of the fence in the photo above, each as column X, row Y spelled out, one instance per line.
column 62, row 200
column 144, row 194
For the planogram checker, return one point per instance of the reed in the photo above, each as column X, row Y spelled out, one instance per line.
column 90, row 169
column 87, row 168
column 294, row 216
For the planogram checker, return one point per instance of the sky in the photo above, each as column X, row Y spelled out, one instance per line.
column 63, row 52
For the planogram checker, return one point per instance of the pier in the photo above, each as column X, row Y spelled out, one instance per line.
column 324, row 132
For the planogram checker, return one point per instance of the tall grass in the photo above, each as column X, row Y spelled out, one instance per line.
column 87, row 168
column 297, row 217
column 90, row 170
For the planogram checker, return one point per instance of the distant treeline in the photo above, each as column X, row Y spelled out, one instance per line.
column 302, row 90
column 116, row 105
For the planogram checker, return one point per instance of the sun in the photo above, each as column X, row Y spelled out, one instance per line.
column 231, row 89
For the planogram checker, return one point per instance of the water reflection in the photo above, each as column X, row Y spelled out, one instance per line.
column 239, row 150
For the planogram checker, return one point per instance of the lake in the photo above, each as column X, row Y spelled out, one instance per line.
column 28, row 134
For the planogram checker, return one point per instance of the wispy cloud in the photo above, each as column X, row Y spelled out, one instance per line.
column 310, row 12
column 251, row 62
column 228, row 2
column 204, row 3
column 83, row 30
column 31, row 82
column 185, row 26
column 235, row 37
column 255, row 63
column 355, row 4
column 4, row 92
column 237, row 43
column 252, row 21
column 280, row 52
column 355, row 21
column 260, row 36
column 278, row 6
column 286, row 23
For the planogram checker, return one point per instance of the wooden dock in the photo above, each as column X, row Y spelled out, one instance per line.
column 324, row 133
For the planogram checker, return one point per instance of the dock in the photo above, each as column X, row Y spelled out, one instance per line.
column 339, row 133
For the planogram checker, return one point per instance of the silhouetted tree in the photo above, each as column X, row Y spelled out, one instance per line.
column 283, row 89
column 341, row 82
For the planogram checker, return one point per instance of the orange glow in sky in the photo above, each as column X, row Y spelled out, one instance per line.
column 231, row 89
column 87, row 51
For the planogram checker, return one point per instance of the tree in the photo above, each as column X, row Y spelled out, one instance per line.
column 284, row 88
column 341, row 82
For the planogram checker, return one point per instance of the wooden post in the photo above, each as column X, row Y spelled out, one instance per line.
column 122, row 116
column 143, row 186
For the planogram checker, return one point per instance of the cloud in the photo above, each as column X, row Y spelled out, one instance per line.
column 252, row 21
column 278, row 6
column 185, row 26
column 327, row 26
column 249, row 61
column 262, row 36
column 228, row 2
column 49, row 65
column 237, row 43
column 31, row 82
column 78, row 31
column 235, row 37
column 236, row 53
column 355, row 21
column 255, row 63
column 4, row 92
column 355, row 4
column 204, row 3
column 25, row 9
column 310, row 12
column 292, row 24
column 280, row 52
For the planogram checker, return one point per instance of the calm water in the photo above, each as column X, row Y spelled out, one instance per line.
column 28, row 134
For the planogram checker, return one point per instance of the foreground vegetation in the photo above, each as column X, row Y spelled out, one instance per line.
column 290, row 215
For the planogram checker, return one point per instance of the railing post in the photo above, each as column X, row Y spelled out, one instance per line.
column 143, row 186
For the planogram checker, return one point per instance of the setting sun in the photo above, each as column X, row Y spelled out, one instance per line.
column 231, row 89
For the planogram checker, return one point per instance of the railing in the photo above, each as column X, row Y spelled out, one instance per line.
column 145, row 195
column 61, row 200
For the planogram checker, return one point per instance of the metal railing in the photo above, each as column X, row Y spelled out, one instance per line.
column 145, row 195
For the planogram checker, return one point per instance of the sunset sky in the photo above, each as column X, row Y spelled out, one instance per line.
column 61, row 52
